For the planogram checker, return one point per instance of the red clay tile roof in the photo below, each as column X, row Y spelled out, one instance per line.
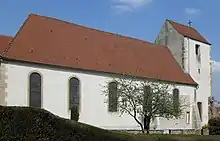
column 4, row 41
column 188, row 32
column 50, row 41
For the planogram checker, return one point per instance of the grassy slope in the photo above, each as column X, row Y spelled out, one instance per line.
column 22, row 123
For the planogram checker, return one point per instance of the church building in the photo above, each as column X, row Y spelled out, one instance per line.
column 53, row 64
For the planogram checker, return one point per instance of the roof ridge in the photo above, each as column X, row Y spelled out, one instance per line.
column 181, row 24
column 95, row 29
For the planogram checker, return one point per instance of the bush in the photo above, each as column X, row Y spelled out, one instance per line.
column 214, row 126
column 23, row 123
column 74, row 113
column 206, row 126
column 32, row 124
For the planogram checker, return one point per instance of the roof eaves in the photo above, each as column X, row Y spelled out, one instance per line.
column 9, row 38
column 193, row 83
column 198, row 40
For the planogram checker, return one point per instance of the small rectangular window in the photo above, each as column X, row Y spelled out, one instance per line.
column 197, row 49
column 187, row 117
column 199, row 104
column 198, row 54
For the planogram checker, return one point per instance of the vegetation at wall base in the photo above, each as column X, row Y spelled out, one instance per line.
column 32, row 124
column 214, row 126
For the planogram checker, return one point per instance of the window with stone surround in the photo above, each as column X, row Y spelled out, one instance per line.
column 74, row 92
column 35, row 90
column 112, row 97
column 176, row 100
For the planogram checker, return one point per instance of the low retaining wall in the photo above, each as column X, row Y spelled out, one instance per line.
column 176, row 131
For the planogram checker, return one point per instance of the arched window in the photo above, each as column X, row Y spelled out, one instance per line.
column 35, row 90
column 176, row 100
column 176, row 94
column 147, row 104
column 112, row 97
column 74, row 92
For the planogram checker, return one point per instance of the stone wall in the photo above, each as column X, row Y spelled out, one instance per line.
column 3, row 84
column 180, row 131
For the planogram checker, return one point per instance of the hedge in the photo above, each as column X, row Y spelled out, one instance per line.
column 32, row 124
column 214, row 126
column 23, row 123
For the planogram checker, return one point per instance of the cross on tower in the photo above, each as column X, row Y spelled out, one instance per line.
column 190, row 23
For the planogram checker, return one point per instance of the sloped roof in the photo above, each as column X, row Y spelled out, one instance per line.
column 188, row 32
column 51, row 41
column 4, row 42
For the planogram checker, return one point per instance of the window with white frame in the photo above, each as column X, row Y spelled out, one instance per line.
column 187, row 117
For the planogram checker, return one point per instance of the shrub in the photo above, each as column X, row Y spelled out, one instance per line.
column 32, row 124
column 74, row 113
column 23, row 123
column 206, row 126
column 214, row 126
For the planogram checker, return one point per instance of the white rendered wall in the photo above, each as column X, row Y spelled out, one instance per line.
column 204, row 78
column 187, row 95
column 93, row 109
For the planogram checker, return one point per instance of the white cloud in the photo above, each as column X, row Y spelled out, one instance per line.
column 129, row 5
column 215, row 66
column 121, row 8
column 192, row 11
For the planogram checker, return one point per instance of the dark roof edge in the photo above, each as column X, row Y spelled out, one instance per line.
column 198, row 40
column 65, row 67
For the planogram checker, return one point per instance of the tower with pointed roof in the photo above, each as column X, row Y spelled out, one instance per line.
column 193, row 54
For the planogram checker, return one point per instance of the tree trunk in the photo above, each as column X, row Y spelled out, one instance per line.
column 148, row 118
column 142, row 128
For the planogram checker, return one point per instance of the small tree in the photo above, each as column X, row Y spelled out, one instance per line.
column 145, row 100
